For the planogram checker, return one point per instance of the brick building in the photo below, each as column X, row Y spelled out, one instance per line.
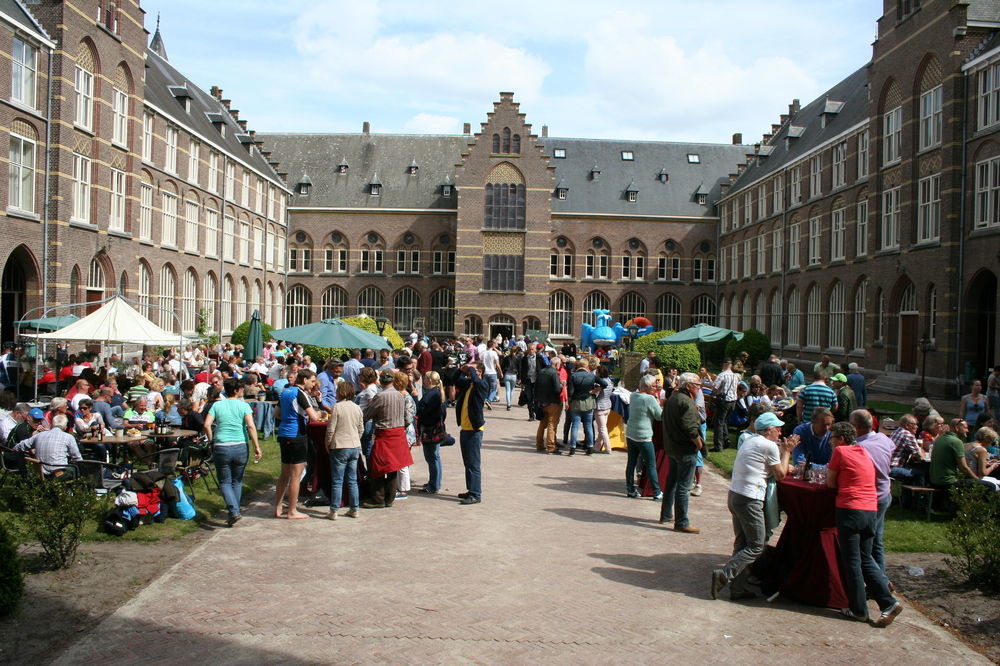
column 126, row 176
column 865, row 224
column 503, row 230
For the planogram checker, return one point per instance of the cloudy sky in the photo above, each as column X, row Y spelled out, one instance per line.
column 659, row 70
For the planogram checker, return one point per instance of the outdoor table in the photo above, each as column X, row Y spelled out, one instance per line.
column 116, row 444
column 808, row 551
column 173, row 435
column 320, row 477
column 263, row 416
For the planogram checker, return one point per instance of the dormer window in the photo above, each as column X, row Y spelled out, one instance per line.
column 701, row 195
column 694, row 158
column 446, row 191
column 628, row 155
column 703, row 199
column 663, row 176
column 343, row 167
column 595, row 172
column 631, row 193
column 304, row 185
column 561, row 191
column 559, row 153
column 412, row 169
column 375, row 186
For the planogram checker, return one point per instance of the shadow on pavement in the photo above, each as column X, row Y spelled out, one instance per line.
column 585, row 485
column 591, row 516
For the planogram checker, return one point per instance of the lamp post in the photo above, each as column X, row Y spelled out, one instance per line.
column 633, row 330
column 924, row 345
column 381, row 323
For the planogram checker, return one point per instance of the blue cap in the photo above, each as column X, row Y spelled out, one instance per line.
column 767, row 420
column 36, row 413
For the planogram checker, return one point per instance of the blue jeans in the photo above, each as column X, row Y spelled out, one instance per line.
column 645, row 451
column 678, row 490
column 856, row 530
column 344, row 468
column 588, row 428
column 878, row 547
column 470, row 442
column 509, row 381
column 432, row 454
column 230, row 462
column 910, row 476
column 494, row 387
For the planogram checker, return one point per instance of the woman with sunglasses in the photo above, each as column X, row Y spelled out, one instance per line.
column 88, row 422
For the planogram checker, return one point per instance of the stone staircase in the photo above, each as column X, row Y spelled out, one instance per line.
column 898, row 383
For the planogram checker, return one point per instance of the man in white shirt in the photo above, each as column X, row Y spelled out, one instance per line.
column 761, row 454
column 491, row 364
column 725, row 399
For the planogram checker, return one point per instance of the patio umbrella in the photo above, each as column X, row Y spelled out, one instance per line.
column 331, row 333
column 47, row 323
column 255, row 339
column 700, row 333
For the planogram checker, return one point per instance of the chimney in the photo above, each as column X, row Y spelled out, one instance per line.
column 737, row 139
column 767, row 137
column 366, row 127
column 545, row 131
column 467, row 129
column 794, row 107
column 242, row 124
column 775, row 129
column 784, row 118
column 226, row 103
column 216, row 92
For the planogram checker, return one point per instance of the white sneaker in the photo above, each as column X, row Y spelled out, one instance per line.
column 696, row 491
column 332, row 515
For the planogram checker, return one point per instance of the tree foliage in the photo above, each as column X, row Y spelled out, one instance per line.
column 754, row 343
column 974, row 532
column 54, row 514
column 319, row 354
column 11, row 576
column 242, row 333
column 683, row 357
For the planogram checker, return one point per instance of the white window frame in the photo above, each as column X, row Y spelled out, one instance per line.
column 761, row 255
column 989, row 95
column 889, row 230
column 988, row 194
column 762, row 201
column 839, row 171
column 860, row 310
column 245, row 189
column 168, row 228
column 863, row 143
column 776, row 195
column 118, row 189
column 147, row 136
column 194, row 160
column 21, row 181
column 747, row 207
column 838, row 232
column 170, row 145
column 24, row 73
column 861, row 239
column 795, row 183
column 213, row 172
column 816, row 176
column 211, row 232
column 191, row 210
column 794, row 245
column 119, row 112
column 230, row 184
column 82, row 166
column 777, row 250
column 747, row 259
column 892, row 134
column 837, row 318
column 931, row 117
column 244, row 231
column 815, row 241
column 929, row 209
column 84, row 84
column 228, row 238
column 145, row 211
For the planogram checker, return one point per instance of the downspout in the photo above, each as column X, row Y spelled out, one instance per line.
column 45, row 205
column 961, row 238
column 784, row 319
column 222, row 249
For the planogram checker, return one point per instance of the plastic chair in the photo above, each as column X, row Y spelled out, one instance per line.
column 105, row 476
column 11, row 462
column 198, row 465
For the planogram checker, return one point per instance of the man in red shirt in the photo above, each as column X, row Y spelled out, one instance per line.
column 852, row 472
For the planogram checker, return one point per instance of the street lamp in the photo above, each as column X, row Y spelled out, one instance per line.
column 381, row 323
column 925, row 345
column 633, row 330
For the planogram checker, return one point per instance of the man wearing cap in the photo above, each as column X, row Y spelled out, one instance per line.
column 759, row 455
column 847, row 402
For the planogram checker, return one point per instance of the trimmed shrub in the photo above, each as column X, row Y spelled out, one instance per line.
column 754, row 343
column 320, row 354
column 685, row 358
column 242, row 333
column 11, row 576
column 54, row 514
column 974, row 532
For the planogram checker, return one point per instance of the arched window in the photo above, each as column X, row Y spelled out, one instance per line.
column 371, row 302
column 794, row 321
column 496, row 143
column 560, row 313
column 299, row 254
column 443, row 311
column 505, row 202
column 860, row 310
column 209, row 295
column 814, row 317
column 189, row 307
column 631, row 305
column 145, row 289
column 880, row 316
column 241, row 302
column 405, row 308
column 473, row 325
column 334, row 304
column 668, row 313
column 530, row 324
column 561, row 258
column 723, row 314
column 95, row 280
column 515, row 145
column 776, row 307
column 747, row 312
column 271, row 307
column 759, row 313
column 372, row 254
column 595, row 300
column 168, row 290
column 836, row 318
column 227, row 305
column 297, row 306
column 908, row 303
column 703, row 311
column 84, row 81
column 506, row 140
column 256, row 300
column 734, row 313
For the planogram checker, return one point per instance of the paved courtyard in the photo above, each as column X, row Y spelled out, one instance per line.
column 555, row 565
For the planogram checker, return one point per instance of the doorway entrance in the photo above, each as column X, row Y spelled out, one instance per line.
column 502, row 325
column 979, row 336
column 909, row 327
column 19, row 277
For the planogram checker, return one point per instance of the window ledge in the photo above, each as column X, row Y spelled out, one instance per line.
column 25, row 214
column 168, row 246
column 109, row 32
column 837, row 262
column 85, row 130
column 887, row 251
column 921, row 245
column 119, row 233
column 27, row 109
column 146, row 241
column 119, row 144
column 984, row 231
column 82, row 224
column 555, row 278
column 895, row 162
column 861, row 258
column 503, row 231
column 593, row 279
column 505, row 291
column 928, row 149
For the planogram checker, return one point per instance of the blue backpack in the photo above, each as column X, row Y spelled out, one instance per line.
column 183, row 508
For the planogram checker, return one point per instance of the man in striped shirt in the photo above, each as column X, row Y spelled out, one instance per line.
column 815, row 396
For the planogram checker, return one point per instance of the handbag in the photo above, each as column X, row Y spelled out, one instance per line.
column 583, row 404
column 436, row 434
column 772, row 512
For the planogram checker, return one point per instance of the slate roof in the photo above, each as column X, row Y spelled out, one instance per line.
column 17, row 12
column 317, row 156
column 853, row 91
column 385, row 156
column 606, row 194
column 163, row 84
column 983, row 10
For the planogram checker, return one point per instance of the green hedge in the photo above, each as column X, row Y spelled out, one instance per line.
column 242, row 333
column 685, row 358
column 754, row 343
column 11, row 576
column 321, row 354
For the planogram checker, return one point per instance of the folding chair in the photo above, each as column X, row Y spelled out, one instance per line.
column 11, row 462
column 197, row 464
column 164, row 461
column 106, row 477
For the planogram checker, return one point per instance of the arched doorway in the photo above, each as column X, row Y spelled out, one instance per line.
column 909, row 334
column 20, row 278
column 502, row 325
column 979, row 337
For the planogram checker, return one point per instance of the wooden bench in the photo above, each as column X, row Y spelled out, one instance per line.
column 923, row 495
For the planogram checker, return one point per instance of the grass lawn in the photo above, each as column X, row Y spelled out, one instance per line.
column 906, row 531
column 208, row 503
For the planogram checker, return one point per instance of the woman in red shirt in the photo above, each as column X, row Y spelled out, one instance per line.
column 852, row 472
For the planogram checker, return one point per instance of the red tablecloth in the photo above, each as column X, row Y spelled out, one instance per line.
column 662, row 465
column 808, row 550
column 320, row 476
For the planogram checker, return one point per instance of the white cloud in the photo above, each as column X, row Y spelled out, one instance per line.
column 429, row 123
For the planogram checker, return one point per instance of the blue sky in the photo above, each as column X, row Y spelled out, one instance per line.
column 670, row 70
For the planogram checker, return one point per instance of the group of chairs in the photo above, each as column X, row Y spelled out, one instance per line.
column 190, row 462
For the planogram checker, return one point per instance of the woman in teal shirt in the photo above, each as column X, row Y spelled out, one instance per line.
column 644, row 411
column 233, row 420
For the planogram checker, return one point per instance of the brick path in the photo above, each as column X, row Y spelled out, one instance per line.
column 555, row 564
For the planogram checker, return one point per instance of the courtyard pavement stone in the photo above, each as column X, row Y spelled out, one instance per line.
column 555, row 565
